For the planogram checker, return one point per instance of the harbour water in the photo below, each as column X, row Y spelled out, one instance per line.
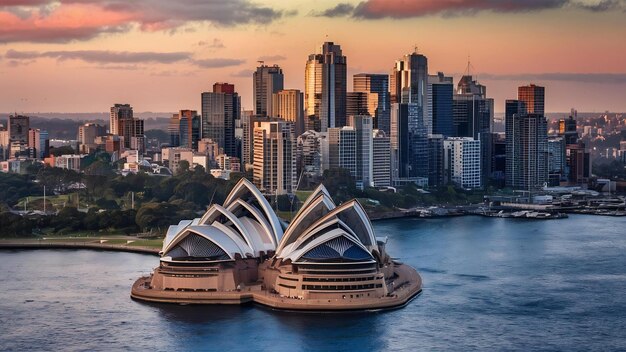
column 489, row 284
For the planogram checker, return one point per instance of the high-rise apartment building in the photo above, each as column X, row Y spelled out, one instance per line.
column 462, row 161
column 377, row 84
column 533, row 97
column 267, row 80
column 325, row 87
column 526, row 150
column 220, row 109
column 274, row 157
column 439, row 109
column 288, row 104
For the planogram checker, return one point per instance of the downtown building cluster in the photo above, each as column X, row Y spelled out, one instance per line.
column 407, row 126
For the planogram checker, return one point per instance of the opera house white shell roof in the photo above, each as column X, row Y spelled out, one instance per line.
column 246, row 226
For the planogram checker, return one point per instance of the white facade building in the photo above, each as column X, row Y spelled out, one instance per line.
column 462, row 161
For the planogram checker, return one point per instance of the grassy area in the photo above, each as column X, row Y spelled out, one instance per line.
column 156, row 243
column 53, row 202
column 303, row 195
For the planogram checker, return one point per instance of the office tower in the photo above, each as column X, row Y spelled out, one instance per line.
column 247, row 135
column 88, row 132
column 462, row 161
column 325, row 88
column 409, row 145
column 18, row 128
column 363, row 129
column 498, row 159
column 556, row 159
column 408, row 83
column 567, row 129
column 220, row 109
column 360, row 103
column 122, row 123
column 173, row 129
column 526, row 151
column 185, row 126
column 472, row 114
column 381, row 162
column 439, row 109
column 267, row 80
column 38, row 141
column 533, row 97
column 310, row 156
column 379, row 85
column 435, row 160
column 578, row 160
column 274, row 157
column 288, row 104
column 342, row 149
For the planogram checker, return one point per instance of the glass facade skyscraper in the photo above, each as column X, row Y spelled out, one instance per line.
column 325, row 88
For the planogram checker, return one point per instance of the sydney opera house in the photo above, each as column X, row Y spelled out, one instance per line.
column 327, row 258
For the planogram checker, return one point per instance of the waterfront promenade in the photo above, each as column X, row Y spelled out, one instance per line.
column 105, row 244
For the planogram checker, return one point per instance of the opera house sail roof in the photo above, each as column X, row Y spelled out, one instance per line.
column 241, row 251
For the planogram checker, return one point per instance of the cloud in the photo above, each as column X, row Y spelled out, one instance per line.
column 378, row 9
column 341, row 10
column 106, row 57
column 603, row 78
column 217, row 62
column 242, row 73
column 61, row 21
column 270, row 58
column 214, row 44
column 102, row 56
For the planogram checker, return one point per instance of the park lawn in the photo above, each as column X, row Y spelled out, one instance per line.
column 156, row 243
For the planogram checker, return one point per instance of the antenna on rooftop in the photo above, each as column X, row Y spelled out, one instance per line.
column 469, row 66
column 261, row 62
column 416, row 49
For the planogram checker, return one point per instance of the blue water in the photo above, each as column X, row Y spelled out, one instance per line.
column 489, row 284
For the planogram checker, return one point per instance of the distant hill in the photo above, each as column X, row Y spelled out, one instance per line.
column 65, row 125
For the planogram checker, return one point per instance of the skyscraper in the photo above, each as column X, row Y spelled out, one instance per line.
column 381, row 163
column 526, row 150
column 220, row 109
column 462, row 161
column 274, row 157
column 364, row 153
column 39, row 142
column 267, row 80
column 409, row 145
column 123, row 123
column 534, row 98
column 472, row 114
column 288, row 105
column 439, row 108
column 18, row 128
column 408, row 83
column 325, row 88
column 378, row 84
column 342, row 149
column 188, row 128
column 361, row 103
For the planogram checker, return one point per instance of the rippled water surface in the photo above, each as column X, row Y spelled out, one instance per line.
column 489, row 284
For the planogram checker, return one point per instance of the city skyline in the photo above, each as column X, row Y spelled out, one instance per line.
column 157, row 56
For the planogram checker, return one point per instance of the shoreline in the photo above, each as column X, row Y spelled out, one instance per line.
column 15, row 244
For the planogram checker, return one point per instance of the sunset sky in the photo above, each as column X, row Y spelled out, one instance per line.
column 159, row 55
